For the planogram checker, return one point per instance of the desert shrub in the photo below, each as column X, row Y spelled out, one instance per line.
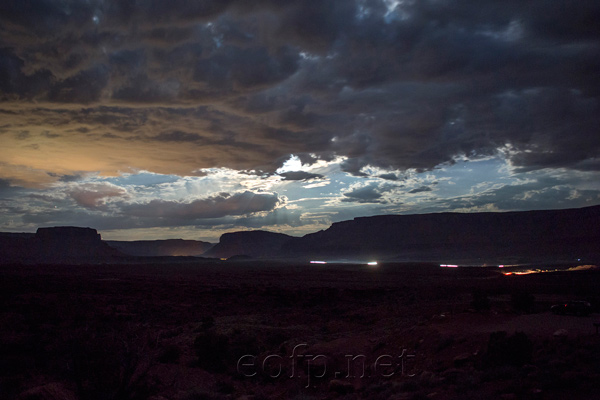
column 169, row 355
column 513, row 350
column 444, row 343
column 480, row 301
column 522, row 302
column 109, row 366
column 211, row 349
column 225, row 387
column 419, row 396
column 408, row 386
column 198, row 394
column 555, row 381
column 207, row 323
column 242, row 344
column 276, row 338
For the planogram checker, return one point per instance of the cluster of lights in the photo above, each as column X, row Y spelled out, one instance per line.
column 529, row 271
column 371, row 263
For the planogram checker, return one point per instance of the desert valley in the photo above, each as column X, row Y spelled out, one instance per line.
column 94, row 323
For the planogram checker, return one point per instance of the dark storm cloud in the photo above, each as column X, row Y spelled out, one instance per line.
column 224, row 211
column 93, row 195
column 141, row 89
column 13, row 82
column 54, row 217
column 43, row 15
column 239, row 68
column 313, row 25
column 66, row 178
column 4, row 184
column 170, row 35
column 299, row 176
column 389, row 177
column 84, row 87
column 554, row 125
column 409, row 88
column 213, row 207
column 421, row 189
column 367, row 194
column 177, row 136
column 538, row 194
column 109, row 222
column 279, row 216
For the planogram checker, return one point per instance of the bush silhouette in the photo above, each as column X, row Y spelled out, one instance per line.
column 522, row 302
column 211, row 349
column 515, row 350
column 480, row 301
column 207, row 323
column 109, row 366
column 169, row 355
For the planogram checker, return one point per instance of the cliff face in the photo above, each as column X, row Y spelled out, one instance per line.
column 256, row 244
column 567, row 233
column 157, row 248
column 60, row 235
column 71, row 244
column 57, row 245
column 531, row 236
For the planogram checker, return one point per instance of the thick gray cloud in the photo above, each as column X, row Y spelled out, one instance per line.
column 537, row 194
column 299, row 176
column 224, row 204
column 367, row 194
column 94, row 195
column 389, row 177
column 224, row 210
column 421, row 189
column 112, row 221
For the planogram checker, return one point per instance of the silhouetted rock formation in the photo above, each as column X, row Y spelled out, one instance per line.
column 157, row 248
column 528, row 236
column 65, row 244
column 570, row 234
column 57, row 245
column 256, row 244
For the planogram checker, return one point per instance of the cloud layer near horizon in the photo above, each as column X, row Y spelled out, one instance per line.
column 378, row 88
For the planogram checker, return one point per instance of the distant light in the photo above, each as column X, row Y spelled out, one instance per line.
column 530, row 271
column 318, row 262
column 501, row 266
column 372, row 263
column 448, row 265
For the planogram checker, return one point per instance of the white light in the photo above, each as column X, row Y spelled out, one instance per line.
column 291, row 165
column 318, row 262
column 372, row 263
column 448, row 265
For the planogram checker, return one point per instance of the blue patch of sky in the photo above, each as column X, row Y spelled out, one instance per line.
column 142, row 179
column 463, row 177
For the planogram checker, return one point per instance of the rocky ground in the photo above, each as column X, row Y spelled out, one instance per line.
column 254, row 330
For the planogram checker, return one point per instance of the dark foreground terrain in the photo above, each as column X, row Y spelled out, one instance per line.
column 257, row 330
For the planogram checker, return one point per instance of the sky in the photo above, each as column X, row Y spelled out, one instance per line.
column 150, row 119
